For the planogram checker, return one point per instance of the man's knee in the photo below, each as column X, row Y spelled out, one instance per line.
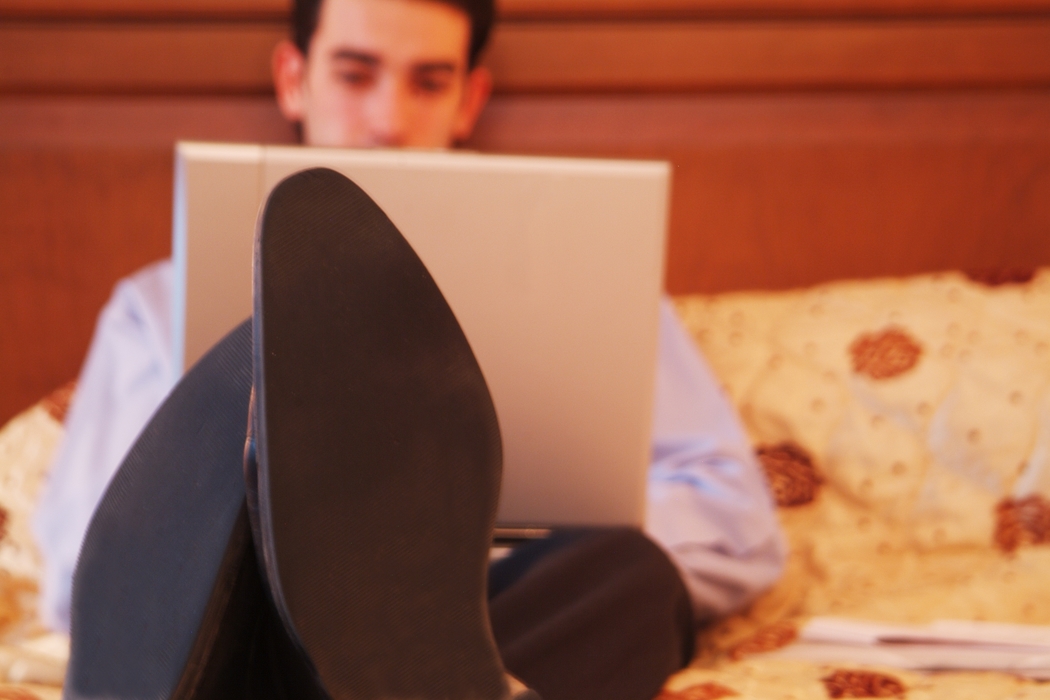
column 612, row 591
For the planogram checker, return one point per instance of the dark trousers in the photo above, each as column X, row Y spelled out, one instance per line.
column 596, row 614
column 588, row 614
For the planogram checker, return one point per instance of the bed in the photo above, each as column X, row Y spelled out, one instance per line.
column 904, row 426
column 861, row 208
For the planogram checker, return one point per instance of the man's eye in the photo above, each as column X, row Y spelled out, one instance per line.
column 432, row 84
column 356, row 78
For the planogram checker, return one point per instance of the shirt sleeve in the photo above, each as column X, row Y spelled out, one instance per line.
column 125, row 377
column 709, row 504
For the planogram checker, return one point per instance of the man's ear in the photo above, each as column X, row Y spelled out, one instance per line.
column 475, row 96
column 289, row 66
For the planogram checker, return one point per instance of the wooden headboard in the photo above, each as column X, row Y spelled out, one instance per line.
column 811, row 139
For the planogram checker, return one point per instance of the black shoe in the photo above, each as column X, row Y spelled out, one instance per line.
column 167, row 591
column 378, row 453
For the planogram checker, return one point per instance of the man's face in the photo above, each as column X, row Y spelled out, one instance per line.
column 383, row 73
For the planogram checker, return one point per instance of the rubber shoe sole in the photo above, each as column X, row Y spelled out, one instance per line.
column 167, row 588
column 378, row 453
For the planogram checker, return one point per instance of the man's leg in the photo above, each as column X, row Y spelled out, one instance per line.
column 167, row 590
column 588, row 614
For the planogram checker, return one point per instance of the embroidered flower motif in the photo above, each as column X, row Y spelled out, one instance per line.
column 885, row 354
column 862, row 684
column 792, row 477
column 774, row 636
column 57, row 405
column 1022, row 521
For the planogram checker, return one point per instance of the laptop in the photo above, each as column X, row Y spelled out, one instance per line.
column 553, row 267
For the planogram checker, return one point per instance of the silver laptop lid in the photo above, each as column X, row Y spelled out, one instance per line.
column 553, row 267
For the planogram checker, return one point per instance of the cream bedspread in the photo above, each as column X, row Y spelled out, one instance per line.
column 923, row 408
column 32, row 662
column 906, row 420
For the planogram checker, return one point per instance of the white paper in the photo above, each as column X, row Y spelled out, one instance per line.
column 941, row 645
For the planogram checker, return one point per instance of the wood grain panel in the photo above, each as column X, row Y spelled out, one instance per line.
column 653, row 9
column 133, row 58
column 126, row 122
column 146, row 9
column 71, row 223
column 537, row 9
column 137, row 58
column 778, row 191
column 85, row 206
column 761, row 55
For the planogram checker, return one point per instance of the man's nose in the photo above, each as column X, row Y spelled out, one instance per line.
column 389, row 115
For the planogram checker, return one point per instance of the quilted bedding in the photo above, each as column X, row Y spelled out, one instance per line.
column 905, row 428
column 32, row 661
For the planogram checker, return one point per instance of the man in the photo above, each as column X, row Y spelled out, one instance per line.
column 405, row 73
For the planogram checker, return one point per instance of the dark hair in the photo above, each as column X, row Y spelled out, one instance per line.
column 481, row 13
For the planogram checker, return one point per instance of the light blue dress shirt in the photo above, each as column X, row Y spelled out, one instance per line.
column 709, row 506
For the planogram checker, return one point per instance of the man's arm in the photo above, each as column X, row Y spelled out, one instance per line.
column 709, row 505
column 125, row 377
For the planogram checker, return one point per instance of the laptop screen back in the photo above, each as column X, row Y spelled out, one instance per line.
column 552, row 266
